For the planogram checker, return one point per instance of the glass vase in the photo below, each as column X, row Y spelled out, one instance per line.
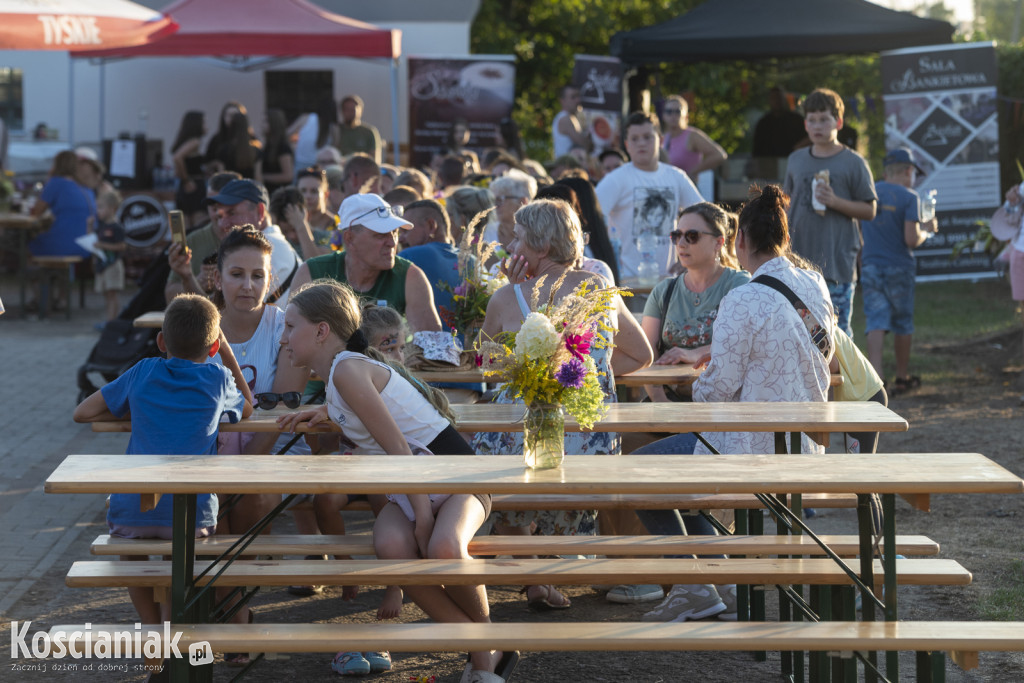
column 544, row 436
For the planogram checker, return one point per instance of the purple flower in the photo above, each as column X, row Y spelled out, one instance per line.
column 571, row 374
column 461, row 289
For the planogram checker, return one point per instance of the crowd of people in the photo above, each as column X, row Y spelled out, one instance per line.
column 308, row 254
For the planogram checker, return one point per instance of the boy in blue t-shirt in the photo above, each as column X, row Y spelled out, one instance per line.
column 175, row 404
column 888, row 268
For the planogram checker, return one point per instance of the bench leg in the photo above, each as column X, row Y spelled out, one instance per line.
column 819, row 664
column 182, row 585
column 892, row 660
column 931, row 667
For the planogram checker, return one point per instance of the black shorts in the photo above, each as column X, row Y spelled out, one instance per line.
column 450, row 442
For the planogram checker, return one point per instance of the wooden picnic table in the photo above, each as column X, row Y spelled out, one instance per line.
column 153, row 319
column 25, row 225
column 683, row 373
column 187, row 476
column 655, row 374
column 817, row 420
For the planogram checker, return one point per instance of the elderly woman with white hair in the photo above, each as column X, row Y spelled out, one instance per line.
column 511, row 191
column 463, row 205
column 546, row 244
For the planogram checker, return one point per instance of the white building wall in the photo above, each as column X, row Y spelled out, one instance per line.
column 151, row 94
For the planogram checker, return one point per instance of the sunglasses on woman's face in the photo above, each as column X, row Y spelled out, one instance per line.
column 691, row 236
column 270, row 400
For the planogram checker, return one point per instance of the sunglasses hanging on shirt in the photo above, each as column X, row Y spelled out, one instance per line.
column 269, row 400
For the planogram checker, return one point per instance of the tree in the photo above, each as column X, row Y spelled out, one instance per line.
column 998, row 20
column 544, row 35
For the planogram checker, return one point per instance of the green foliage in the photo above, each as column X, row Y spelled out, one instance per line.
column 544, row 35
column 995, row 19
column 1010, row 60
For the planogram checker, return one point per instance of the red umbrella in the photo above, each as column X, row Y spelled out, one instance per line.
column 77, row 24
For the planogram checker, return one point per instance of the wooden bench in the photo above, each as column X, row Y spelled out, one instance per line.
column 362, row 544
column 61, row 269
column 420, row 572
column 711, row 501
column 963, row 640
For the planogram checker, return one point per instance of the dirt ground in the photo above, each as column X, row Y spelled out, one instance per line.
column 980, row 414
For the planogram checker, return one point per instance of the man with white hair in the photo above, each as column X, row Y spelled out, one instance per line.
column 511, row 191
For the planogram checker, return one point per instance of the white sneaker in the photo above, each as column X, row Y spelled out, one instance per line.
column 633, row 594
column 687, row 602
column 728, row 596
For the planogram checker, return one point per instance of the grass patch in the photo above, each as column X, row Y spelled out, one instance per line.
column 1006, row 603
column 945, row 313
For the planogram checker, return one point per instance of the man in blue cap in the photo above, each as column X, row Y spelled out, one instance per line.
column 240, row 202
column 888, row 267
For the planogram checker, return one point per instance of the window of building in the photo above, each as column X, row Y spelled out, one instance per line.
column 297, row 92
column 11, row 108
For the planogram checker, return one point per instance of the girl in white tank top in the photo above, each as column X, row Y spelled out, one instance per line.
column 382, row 411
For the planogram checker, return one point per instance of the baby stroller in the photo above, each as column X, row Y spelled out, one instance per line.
column 121, row 345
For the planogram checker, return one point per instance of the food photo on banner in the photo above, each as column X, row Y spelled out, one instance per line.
column 940, row 102
column 599, row 80
column 478, row 91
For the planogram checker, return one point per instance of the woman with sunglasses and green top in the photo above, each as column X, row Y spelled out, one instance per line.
column 680, row 313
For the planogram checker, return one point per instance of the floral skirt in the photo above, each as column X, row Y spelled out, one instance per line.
column 549, row 522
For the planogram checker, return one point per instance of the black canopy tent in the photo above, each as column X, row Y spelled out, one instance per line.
column 725, row 30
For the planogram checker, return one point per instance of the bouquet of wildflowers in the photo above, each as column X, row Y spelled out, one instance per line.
column 550, row 359
column 470, row 297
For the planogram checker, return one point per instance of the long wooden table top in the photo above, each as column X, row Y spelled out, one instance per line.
column 655, row 374
column 20, row 221
column 906, row 473
column 812, row 418
column 153, row 319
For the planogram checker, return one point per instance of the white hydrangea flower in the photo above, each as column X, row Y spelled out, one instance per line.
column 537, row 338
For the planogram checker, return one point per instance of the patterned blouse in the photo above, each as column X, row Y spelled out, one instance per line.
column 762, row 351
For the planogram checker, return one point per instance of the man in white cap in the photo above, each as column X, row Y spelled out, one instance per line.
column 370, row 264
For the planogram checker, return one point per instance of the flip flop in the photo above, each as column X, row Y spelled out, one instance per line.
column 542, row 603
column 507, row 664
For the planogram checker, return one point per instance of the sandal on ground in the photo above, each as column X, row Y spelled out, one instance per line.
column 543, row 602
column 307, row 591
column 239, row 659
column 507, row 664
column 905, row 384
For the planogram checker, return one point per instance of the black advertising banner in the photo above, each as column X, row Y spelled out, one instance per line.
column 599, row 80
column 479, row 90
column 941, row 102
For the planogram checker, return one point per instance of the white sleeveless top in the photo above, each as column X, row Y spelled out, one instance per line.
column 305, row 144
column 418, row 420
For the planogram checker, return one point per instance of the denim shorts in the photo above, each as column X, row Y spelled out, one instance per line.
column 888, row 298
column 841, row 294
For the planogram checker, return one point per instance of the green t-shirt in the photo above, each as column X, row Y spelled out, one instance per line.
column 689, row 318
column 203, row 244
column 389, row 286
column 362, row 138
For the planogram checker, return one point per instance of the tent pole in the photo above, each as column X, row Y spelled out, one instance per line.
column 71, row 101
column 394, row 107
column 103, row 97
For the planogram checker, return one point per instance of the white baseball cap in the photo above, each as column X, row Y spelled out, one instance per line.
column 371, row 212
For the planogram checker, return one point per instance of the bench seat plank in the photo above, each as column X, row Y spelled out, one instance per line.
column 362, row 544
column 963, row 636
column 754, row 571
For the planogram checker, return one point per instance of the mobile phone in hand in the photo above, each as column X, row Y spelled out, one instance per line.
column 176, row 219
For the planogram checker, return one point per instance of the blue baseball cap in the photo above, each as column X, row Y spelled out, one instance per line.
column 901, row 155
column 238, row 191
